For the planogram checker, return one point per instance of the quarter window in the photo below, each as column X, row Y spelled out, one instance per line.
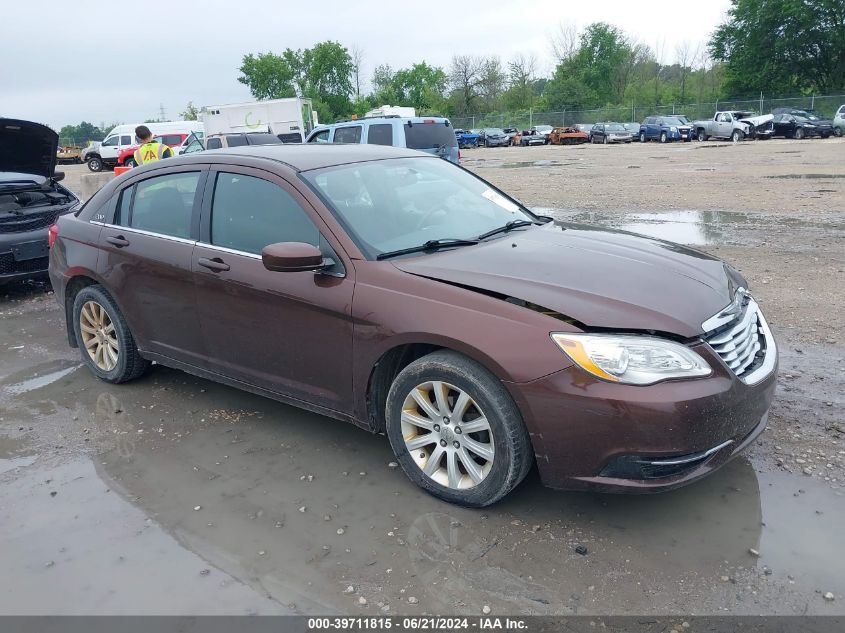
column 126, row 140
column 351, row 134
column 213, row 143
column 163, row 204
column 248, row 213
column 380, row 134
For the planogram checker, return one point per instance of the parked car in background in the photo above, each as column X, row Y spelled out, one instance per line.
column 31, row 198
column 174, row 140
column 433, row 135
column 494, row 137
column 634, row 128
column 529, row 137
column 609, row 133
column 811, row 123
column 511, row 132
column 839, row 121
column 797, row 127
column 664, row 129
column 457, row 322
column 568, row 135
column 466, row 138
column 122, row 136
column 734, row 125
column 240, row 139
column 585, row 127
column 545, row 130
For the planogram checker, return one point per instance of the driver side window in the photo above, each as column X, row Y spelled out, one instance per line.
column 111, row 141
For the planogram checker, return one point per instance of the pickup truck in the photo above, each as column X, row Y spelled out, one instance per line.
column 734, row 125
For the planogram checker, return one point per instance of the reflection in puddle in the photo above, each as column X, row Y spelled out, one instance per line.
column 14, row 454
column 39, row 381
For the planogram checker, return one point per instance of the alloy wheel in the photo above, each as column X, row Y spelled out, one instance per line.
column 99, row 335
column 447, row 435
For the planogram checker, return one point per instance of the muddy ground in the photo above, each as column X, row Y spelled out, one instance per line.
column 176, row 495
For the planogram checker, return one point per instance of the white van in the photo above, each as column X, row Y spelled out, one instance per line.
column 123, row 136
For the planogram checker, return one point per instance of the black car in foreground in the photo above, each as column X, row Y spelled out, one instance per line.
column 31, row 198
column 798, row 124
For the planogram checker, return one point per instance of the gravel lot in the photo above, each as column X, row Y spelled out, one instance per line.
column 175, row 495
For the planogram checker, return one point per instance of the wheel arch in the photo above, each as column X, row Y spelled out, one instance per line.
column 400, row 355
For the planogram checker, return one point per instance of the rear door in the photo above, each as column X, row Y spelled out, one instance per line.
column 287, row 332
column 145, row 260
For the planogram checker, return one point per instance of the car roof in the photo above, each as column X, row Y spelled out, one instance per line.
column 303, row 156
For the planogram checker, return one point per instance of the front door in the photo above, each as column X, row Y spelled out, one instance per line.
column 146, row 257
column 288, row 332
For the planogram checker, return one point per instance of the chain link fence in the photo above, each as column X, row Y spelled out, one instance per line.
column 824, row 106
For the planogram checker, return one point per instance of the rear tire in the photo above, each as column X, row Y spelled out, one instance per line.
column 837, row 131
column 129, row 162
column 499, row 455
column 105, row 342
column 642, row 137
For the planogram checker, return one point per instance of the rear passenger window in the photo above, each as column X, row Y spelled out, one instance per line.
column 236, row 141
column 214, row 143
column 171, row 139
column 380, row 134
column 320, row 137
column 248, row 213
column 161, row 205
column 351, row 134
column 126, row 140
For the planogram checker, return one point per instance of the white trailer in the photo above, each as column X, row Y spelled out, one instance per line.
column 289, row 119
column 389, row 110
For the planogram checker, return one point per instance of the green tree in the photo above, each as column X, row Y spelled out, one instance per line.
column 81, row 134
column 190, row 113
column 323, row 73
column 782, row 46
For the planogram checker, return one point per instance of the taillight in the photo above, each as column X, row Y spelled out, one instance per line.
column 52, row 235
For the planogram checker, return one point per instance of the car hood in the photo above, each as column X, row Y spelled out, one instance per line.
column 27, row 147
column 602, row 278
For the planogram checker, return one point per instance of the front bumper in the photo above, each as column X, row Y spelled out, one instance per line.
column 23, row 255
column 593, row 435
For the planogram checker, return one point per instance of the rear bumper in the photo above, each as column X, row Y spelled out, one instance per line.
column 594, row 435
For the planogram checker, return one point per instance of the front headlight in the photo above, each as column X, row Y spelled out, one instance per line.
column 631, row 359
column 673, row 129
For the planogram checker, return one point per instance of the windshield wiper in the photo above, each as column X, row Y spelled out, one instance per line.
column 509, row 226
column 430, row 245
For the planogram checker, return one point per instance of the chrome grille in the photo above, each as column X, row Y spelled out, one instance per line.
column 744, row 342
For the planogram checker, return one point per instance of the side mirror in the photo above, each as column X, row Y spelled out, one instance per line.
column 292, row 257
column 58, row 176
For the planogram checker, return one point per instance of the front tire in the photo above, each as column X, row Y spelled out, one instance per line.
column 456, row 431
column 105, row 342
column 799, row 134
column 663, row 137
column 129, row 162
column 737, row 136
column 702, row 136
column 95, row 164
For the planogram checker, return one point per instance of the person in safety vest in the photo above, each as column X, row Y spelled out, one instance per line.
column 150, row 150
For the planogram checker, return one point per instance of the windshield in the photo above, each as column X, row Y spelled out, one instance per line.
column 389, row 205
column 494, row 131
column 672, row 121
column 615, row 127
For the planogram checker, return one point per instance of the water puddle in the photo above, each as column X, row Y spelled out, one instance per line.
column 13, row 454
column 808, row 176
column 532, row 163
column 685, row 226
column 41, row 380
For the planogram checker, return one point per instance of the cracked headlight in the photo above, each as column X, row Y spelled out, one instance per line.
column 631, row 359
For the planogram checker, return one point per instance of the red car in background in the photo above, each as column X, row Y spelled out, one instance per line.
column 126, row 158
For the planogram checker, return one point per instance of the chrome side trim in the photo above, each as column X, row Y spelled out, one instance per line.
column 129, row 229
column 695, row 457
column 231, row 251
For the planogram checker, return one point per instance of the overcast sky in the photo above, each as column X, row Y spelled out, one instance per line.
column 67, row 61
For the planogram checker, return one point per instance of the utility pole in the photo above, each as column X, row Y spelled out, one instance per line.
column 162, row 115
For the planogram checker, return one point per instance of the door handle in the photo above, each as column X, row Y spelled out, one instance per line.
column 117, row 240
column 216, row 264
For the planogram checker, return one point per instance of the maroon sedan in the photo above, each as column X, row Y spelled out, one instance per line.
column 406, row 295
